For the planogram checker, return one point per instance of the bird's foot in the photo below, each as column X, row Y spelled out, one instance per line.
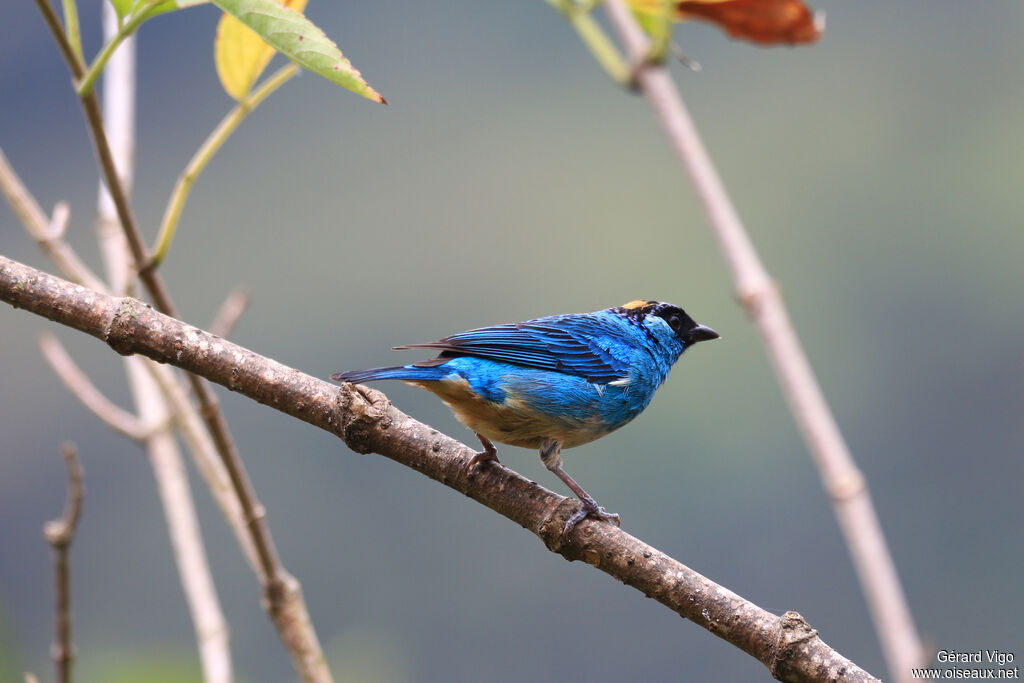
column 481, row 458
column 488, row 455
column 589, row 508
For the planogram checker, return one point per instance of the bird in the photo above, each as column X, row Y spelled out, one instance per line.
column 552, row 383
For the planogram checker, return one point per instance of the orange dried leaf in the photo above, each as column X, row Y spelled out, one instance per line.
column 767, row 22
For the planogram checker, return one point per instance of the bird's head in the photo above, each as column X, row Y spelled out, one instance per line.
column 666, row 321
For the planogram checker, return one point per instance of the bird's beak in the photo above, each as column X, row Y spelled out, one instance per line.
column 701, row 333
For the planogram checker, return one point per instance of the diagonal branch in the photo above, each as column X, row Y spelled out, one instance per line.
column 365, row 420
column 59, row 533
column 764, row 304
column 283, row 595
column 204, row 455
column 154, row 285
column 172, row 483
column 229, row 312
column 78, row 383
column 169, row 473
column 39, row 227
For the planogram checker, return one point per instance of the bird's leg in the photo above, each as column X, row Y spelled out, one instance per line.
column 488, row 454
column 551, row 456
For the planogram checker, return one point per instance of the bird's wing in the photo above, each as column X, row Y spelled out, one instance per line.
column 587, row 346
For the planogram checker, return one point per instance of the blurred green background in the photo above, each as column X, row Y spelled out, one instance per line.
column 879, row 172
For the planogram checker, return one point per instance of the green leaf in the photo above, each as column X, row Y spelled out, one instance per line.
column 171, row 6
column 240, row 55
column 298, row 39
column 122, row 7
column 127, row 8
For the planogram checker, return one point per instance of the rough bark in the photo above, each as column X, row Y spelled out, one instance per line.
column 367, row 422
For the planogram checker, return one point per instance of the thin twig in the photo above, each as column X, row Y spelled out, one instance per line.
column 230, row 311
column 85, row 391
column 593, row 36
column 209, row 624
column 59, row 533
column 94, row 117
column 367, row 422
column 73, row 31
column 118, row 101
column 39, row 228
column 283, row 598
column 214, row 141
column 63, row 44
column 209, row 406
column 761, row 298
column 87, row 81
column 211, row 629
column 59, row 219
column 204, row 455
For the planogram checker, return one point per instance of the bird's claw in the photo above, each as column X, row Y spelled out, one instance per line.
column 481, row 458
column 589, row 508
column 488, row 455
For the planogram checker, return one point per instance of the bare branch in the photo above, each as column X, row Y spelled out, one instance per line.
column 78, row 383
column 211, row 629
column 59, row 533
column 209, row 624
column 116, row 187
column 230, row 311
column 39, row 227
column 367, row 422
column 764, row 304
column 119, row 117
column 59, row 220
column 204, row 454
column 284, row 600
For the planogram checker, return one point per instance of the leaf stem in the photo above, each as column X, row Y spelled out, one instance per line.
column 594, row 37
column 71, row 28
column 88, row 81
column 204, row 154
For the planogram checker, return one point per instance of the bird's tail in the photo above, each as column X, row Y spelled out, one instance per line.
column 406, row 372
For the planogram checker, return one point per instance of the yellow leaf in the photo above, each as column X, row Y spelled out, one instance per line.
column 241, row 55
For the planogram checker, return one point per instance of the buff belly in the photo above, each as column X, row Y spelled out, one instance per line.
column 513, row 420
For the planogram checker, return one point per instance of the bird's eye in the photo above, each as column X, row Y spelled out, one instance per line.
column 675, row 322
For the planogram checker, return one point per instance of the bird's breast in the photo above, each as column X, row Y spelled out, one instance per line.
column 531, row 408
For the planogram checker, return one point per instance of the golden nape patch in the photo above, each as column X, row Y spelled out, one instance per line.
column 637, row 303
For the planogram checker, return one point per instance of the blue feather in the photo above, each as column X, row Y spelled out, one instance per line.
column 406, row 372
column 554, row 382
column 587, row 345
column 572, row 378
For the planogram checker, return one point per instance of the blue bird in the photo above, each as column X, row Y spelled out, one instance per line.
column 554, row 382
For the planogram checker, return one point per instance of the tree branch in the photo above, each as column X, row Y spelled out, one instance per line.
column 59, row 533
column 78, row 383
column 763, row 302
column 214, row 141
column 41, row 229
column 211, row 628
column 161, row 446
column 229, row 313
column 367, row 422
column 204, row 455
column 282, row 593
